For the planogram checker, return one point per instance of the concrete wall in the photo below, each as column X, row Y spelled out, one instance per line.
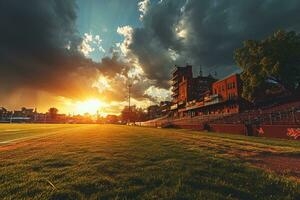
column 278, row 131
column 198, row 127
column 272, row 131
column 228, row 128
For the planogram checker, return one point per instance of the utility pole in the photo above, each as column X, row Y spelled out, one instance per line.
column 129, row 96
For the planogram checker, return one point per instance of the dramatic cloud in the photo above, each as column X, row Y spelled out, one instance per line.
column 110, row 66
column 42, row 55
column 39, row 48
column 42, row 52
column 158, row 94
column 127, row 32
column 143, row 7
column 85, row 46
column 90, row 43
column 202, row 32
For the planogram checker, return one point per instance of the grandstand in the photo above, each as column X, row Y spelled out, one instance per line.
column 276, row 120
column 285, row 114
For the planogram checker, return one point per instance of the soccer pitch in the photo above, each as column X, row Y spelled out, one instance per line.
column 123, row 162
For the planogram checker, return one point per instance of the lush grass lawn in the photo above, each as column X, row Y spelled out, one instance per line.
column 120, row 162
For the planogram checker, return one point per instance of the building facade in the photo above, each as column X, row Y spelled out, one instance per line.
column 228, row 88
column 181, row 80
column 188, row 89
column 228, row 91
column 209, row 96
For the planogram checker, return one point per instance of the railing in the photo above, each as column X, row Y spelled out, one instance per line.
column 288, row 114
column 169, row 121
column 285, row 115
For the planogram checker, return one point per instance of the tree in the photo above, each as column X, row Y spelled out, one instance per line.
column 270, row 64
column 53, row 113
column 133, row 115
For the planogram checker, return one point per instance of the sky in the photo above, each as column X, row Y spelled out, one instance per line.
column 80, row 55
column 103, row 18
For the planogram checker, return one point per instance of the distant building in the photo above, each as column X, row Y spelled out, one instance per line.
column 40, row 118
column 200, row 86
column 181, row 80
column 228, row 91
column 160, row 110
column 23, row 115
column 223, row 98
column 187, row 88
column 153, row 111
column 165, row 107
column 4, row 114
column 228, row 88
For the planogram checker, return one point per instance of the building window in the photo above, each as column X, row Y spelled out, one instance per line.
column 233, row 85
column 230, row 85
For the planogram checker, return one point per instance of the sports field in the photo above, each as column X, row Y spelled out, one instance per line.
column 122, row 162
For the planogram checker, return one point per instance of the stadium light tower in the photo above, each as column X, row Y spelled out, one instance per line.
column 129, row 85
column 129, row 94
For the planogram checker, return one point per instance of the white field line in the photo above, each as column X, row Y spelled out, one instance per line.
column 36, row 136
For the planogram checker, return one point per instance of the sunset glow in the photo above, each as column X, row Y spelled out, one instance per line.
column 90, row 106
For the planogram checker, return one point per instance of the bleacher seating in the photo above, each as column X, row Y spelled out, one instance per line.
column 288, row 113
column 185, row 121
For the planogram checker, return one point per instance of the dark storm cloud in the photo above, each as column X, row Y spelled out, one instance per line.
column 39, row 50
column 205, row 32
column 216, row 28
column 34, row 38
column 110, row 66
column 39, row 42
column 151, row 43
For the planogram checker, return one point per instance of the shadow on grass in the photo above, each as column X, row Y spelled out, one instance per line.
column 65, row 195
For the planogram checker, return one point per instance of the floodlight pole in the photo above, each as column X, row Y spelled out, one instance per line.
column 129, row 96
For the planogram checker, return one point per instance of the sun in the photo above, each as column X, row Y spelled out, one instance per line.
column 90, row 106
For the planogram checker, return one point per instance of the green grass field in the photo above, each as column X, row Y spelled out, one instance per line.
column 121, row 162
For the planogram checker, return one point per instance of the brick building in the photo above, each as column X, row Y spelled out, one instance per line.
column 187, row 88
column 153, row 111
column 165, row 107
column 228, row 88
column 200, row 86
column 181, row 81
column 213, row 97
